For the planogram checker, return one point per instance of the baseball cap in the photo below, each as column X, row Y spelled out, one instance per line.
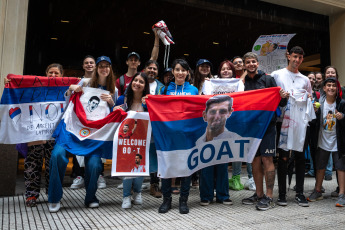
column 202, row 61
column 167, row 70
column 103, row 58
column 133, row 54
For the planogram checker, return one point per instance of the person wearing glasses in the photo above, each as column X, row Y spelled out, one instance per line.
column 239, row 67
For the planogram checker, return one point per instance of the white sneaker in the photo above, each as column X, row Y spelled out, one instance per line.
column 78, row 183
column 54, row 207
column 250, row 184
column 126, row 203
column 120, row 186
column 94, row 205
column 144, row 186
column 137, row 198
column 101, row 182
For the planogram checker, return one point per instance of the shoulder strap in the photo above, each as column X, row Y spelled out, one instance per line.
column 165, row 90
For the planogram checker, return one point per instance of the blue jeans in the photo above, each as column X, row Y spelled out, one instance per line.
column 58, row 165
column 207, row 179
column 236, row 169
column 185, row 187
column 127, row 185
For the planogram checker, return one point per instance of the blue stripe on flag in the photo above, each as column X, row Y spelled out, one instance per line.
column 182, row 134
column 86, row 147
column 35, row 94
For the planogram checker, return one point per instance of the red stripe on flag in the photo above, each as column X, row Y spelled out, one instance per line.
column 115, row 116
column 27, row 81
column 172, row 108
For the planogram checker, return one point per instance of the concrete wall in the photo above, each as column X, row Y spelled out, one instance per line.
column 13, row 19
column 337, row 39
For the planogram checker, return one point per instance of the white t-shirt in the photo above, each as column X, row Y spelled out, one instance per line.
column 288, row 80
column 298, row 112
column 153, row 87
column 222, row 85
column 328, row 135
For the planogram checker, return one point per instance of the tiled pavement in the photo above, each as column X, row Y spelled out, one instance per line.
column 73, row 215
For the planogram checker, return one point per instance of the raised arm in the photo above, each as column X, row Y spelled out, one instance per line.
column 155, row 50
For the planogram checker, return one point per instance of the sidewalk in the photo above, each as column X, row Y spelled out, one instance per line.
column 73, row 215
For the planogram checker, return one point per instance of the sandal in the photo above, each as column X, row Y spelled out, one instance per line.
column 174, row 190
column 31, row 202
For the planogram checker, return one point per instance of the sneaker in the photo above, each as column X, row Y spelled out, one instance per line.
column 250, row 184
column 328, row 177
column 195, row 184
column 309, row 174
column 282, row 201
column 31, row 201
column 314, row 196
column 78, row 183
column 341, row 201
column 265, row 203
column 250, row 200
column 301, row 200
column 94, row 205
column 226, row 202
column 335, row 193
column 101, row 182
column 204, row 202
column 144, row 186
column 137, row 198
column 120, row 186
column 54, row 207
column 126, row 203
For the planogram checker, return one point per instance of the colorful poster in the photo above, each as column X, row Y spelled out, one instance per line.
column 131, row 146
column 31, row 107
column 271, row 51
column 222, row 86
column 193, row 132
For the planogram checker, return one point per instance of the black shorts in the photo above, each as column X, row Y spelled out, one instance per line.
column 267, row 147
column 322, row 157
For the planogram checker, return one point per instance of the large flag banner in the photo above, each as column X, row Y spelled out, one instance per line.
column 222, row 86
column 31, row 107
column 193, row 132
column 271, row 51
column 81, row 136
column 131, row 146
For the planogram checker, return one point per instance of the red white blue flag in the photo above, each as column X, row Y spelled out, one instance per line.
column 181, row 129
column 31, row 107
column 83, row 137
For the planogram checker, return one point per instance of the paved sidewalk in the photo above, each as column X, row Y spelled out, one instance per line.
column 73, row 215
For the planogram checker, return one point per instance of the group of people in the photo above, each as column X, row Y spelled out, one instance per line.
column 129, row 91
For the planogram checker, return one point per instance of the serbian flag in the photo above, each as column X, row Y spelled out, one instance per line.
column 188, row 137
column 83, row 137
column 31, row 107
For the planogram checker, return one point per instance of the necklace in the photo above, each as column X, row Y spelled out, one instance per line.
column 291, row 76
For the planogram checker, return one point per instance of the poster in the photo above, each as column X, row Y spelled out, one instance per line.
column 271, row 51
column 131, row 146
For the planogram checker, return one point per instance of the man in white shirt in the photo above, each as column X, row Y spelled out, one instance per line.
column 138, row 167
column 290, row 79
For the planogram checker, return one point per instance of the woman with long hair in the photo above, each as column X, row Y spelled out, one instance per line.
column 179, row 85
column 103, row 78
column 202, row 73
column 132, row 101
column 226, row 70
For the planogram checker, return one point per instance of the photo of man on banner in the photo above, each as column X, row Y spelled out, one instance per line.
column 131, row 146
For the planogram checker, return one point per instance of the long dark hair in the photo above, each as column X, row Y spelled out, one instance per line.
column 184, row 65
column 110, row 84
column 198, row 78
column 130, row 93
